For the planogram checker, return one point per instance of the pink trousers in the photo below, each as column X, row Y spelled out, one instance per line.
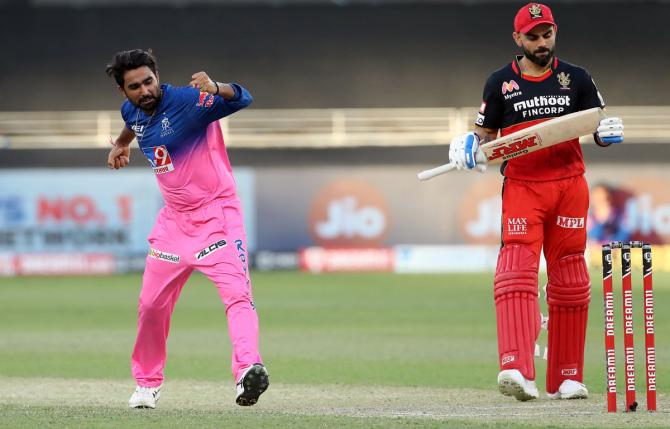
column 211, row 240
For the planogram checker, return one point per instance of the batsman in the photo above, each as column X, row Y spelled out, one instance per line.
column 545, row 199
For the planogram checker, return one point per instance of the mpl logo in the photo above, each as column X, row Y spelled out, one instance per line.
column 160, row 159
column 348, row 213
column 570, row 222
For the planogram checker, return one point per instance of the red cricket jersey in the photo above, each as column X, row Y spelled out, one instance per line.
column 513, row 101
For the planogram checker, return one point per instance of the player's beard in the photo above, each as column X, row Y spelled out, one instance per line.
column 149, row 108
column 540, row 61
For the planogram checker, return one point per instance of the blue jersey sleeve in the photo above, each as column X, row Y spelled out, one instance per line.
column 206, row 108
column 126, row 113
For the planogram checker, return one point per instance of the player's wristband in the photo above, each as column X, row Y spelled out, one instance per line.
column 217, row 87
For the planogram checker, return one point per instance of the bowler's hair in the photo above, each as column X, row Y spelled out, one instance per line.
column 130, row 60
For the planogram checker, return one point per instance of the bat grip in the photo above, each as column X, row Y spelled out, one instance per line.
column 429, row 174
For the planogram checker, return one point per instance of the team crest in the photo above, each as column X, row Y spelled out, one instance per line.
column 564, row 80
column 535, row 11
column 166, row 130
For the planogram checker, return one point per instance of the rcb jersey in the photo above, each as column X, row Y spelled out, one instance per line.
column 514, row 100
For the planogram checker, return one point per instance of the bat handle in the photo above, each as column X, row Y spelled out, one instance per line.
column 429, row 174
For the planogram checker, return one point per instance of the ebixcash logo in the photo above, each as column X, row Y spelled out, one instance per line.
column 210, row 249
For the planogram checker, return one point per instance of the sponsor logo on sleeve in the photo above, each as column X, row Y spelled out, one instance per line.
column 480, row 119
column 205, row 100
column 570, row 222
column 210, row 249
column 159, row 158
column 164, row 256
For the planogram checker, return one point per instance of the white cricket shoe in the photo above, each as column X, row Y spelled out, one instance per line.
column 570, row 389
column 512, row 383
column 145, row 397
column 252, row 383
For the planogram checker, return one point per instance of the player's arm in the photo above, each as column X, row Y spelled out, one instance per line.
column 486, row 134
column 119, row 155
column 204, row 83
column 230, row 92
column 213, row 100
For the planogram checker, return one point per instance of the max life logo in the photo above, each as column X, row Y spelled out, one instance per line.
column 515, row 148
column 159, row 158
column 348, row 213
column 517, row 226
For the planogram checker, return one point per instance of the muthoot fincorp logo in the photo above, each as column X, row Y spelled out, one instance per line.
column 542, row 105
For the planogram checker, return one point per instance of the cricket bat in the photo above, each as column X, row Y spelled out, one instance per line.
column 531, row 139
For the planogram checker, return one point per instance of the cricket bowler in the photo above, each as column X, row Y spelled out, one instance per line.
column 545, row 200
column 200, row 227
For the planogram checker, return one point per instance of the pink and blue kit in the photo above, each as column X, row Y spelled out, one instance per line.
column 200, row 227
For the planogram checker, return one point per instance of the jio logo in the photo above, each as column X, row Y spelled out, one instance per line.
column 348, row 213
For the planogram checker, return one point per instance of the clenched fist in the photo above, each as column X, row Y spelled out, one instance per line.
column 119, row 156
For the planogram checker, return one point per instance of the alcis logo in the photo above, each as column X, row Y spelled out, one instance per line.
column 570, row 222
column 210, row 249
column 510, row 86
column 515, row 147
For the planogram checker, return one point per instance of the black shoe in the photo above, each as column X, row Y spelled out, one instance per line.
column 252, row 384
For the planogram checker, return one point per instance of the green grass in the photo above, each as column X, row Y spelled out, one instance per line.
column 397, row 331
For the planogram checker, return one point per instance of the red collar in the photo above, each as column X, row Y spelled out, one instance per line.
column 517, row 69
